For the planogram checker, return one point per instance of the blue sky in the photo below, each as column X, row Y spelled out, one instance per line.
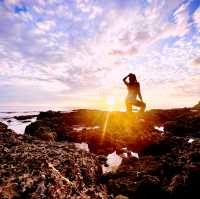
column 76, row 52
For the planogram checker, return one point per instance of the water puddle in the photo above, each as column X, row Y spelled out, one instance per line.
column 190, row 140
column 113, row 161
column 159, row 128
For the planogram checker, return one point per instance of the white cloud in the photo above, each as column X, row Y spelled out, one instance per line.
column 46, row 25
column 50, row 48
column 89, row 7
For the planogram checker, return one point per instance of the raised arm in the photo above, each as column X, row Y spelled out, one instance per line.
column 125, row 79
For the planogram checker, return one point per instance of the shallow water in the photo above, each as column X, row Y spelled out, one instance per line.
column 17, row 125
column 7, row 114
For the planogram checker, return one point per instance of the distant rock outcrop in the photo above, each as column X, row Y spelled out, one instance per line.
column 197, row 106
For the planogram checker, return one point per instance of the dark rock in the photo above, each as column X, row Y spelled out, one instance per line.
column 172, row 173
column 186, row 124
column 37, row 169
column 197, row 106
column 48, row 114
column 132, row 131
column 3, row 127
column 168, row 167
column 24, row 117
column 52, row 126
column 26, row 121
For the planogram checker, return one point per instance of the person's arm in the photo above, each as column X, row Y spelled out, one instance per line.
column 125, row 79
column 139, row 93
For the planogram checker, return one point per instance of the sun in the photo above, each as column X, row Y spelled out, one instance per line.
column 111, row 100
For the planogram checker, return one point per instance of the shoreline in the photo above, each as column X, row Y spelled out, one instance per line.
column 157, row 150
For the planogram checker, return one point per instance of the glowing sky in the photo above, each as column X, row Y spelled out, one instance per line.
column 76, row 52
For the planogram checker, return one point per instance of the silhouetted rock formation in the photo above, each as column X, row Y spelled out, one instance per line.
column 104, row 132
column 197, row 106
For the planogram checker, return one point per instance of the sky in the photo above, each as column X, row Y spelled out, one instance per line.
column 75, row 53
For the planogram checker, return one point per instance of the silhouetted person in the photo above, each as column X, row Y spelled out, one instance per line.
column 133, row 91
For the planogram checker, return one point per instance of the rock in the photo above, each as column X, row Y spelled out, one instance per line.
column 49, row 114
column 186, row 124
column 172, row 173
column 132, row 131
column 53, row 126
column 33, row 168
column 24, row 117
column 197, row 106
column 168, row 166
column 3, row 127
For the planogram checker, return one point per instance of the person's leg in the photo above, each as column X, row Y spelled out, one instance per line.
column 128, row 106
column 140, row 104
column 143, row 107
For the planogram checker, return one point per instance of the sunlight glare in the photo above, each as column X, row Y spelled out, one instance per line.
column 111, row 100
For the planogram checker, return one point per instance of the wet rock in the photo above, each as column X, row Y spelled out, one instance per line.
column 26, row 121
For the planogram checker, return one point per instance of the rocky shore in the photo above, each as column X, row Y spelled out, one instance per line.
column 45, row 163
column 32, row 168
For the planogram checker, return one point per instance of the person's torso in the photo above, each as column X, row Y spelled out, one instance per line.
column 133, row 89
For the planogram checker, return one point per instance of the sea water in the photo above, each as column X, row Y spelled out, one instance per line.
column 7, row 114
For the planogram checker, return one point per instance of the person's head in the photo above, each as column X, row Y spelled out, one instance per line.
column 132, row 78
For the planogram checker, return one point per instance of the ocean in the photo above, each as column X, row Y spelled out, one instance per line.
column 7, row 114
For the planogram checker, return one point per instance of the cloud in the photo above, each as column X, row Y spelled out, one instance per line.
column 196, row 61
column 46, row 25
column 12, row 2
column 135, row 30
column 130, row 51
column 70, row 50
